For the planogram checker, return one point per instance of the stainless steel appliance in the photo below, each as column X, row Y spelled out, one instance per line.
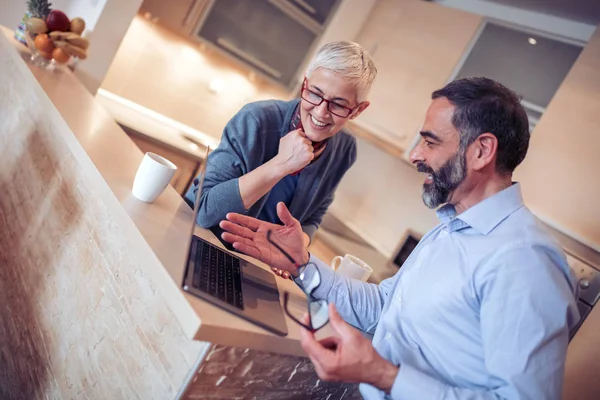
column 585, row 262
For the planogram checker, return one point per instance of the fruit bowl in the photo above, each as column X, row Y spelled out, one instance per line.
column 38, row 58
column 53, row 40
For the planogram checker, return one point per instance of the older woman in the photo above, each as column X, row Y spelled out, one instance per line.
column 293, row 152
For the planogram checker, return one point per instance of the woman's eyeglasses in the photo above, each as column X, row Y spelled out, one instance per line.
column 317, row 309
column 316, row 99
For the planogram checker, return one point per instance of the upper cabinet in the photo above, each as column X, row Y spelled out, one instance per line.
column 179, row 16
column 272, row 36
column 416, row 46
column 319, row 10
column 533, row 64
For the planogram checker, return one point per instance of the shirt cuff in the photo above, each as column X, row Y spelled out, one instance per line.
column 410, row 383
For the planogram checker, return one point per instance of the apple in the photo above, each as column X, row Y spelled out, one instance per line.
column 58, row 21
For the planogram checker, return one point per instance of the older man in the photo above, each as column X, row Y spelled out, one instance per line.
column 293, row 152
column 483, row 306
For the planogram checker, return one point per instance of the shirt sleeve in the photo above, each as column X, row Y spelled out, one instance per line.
column 526, row 310
column 225, row 165
column 359, row 303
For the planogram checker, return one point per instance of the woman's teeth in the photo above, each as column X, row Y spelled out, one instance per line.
column 317, row 122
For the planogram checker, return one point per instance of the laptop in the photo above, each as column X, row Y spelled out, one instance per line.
column 230, row 282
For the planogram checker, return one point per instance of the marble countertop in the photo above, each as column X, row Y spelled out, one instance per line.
column 163, row 226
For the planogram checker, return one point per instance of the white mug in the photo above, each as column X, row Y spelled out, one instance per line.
column 152, row 177
column 352, row 267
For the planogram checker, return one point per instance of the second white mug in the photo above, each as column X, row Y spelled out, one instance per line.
column 352, row 267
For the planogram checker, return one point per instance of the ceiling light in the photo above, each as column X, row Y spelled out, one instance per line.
column 532, row 40
column 216, row 85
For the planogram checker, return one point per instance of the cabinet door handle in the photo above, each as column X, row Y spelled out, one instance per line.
column 306, row 6
column 248, row 57
column 297, row 15
column 192, row 11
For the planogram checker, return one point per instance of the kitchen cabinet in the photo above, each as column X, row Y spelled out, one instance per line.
column 272, row 36
column 187, row 167
column 179, row 16
column 319, row 10
column 416, row 46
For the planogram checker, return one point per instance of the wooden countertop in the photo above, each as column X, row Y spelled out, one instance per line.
column 164, row 225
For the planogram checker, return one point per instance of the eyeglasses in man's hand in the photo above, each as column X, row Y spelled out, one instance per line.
column 317, row 309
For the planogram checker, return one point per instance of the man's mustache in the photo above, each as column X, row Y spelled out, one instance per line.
column 422, row 167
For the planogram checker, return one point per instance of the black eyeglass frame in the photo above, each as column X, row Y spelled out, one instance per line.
column 309, row 298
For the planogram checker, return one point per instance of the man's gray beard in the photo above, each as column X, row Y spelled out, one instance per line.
column 445, row 181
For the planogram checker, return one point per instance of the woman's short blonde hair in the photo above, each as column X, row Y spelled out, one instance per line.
column 349, row 60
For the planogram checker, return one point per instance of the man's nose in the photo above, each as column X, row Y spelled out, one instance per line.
column 416, row 155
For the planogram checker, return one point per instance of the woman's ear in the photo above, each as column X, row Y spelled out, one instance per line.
column 359, row 109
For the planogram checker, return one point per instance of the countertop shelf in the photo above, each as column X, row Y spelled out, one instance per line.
column 157, row 127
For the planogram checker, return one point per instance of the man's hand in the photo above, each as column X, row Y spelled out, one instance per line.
column 295, row 152
column 249, row 236
column 348, row 357
column 285, row 274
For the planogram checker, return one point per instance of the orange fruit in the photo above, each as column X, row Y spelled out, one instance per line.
column 43, row 43
column 60, row 55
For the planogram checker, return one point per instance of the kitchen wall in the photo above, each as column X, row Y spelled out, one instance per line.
column 111, row 22
column 560, row 174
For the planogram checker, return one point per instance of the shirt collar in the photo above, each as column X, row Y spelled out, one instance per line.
column 295, row 121
column 487, row 214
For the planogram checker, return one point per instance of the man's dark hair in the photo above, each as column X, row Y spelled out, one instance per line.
column 483, row 105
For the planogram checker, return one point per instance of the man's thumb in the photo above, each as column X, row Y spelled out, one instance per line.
column 337, row 322
column 284, row 215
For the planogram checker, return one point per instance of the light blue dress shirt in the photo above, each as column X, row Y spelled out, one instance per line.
column 480, row 310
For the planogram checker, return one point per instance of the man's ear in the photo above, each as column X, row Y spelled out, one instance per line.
column 485, row 148
column 359, row 109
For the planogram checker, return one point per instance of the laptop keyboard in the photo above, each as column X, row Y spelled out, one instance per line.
column 217, row 273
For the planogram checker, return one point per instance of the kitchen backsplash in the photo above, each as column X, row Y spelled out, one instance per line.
column 168, row 74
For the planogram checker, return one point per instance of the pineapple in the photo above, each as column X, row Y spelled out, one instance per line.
column 39, row 8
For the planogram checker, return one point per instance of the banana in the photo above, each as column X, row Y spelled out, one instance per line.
column 58, row 35
column 78, row 41
column 71, row 49
column 71, row 38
